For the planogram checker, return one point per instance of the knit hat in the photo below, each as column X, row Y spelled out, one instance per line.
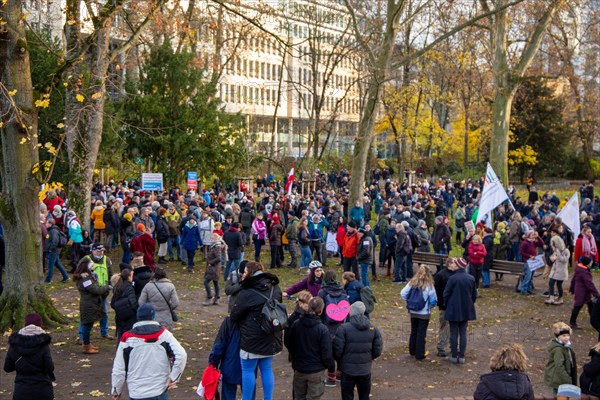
column 501, row 225
column 127, row 217
column 352, row 224
column 357, row 308
column 560, row 328
column 97, row 247
column 421, row 222
column 461, row 262
column 146, row 312
column 292, row 213
column 140, row 227
column 34, row 319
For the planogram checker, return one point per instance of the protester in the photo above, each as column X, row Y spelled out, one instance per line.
column 275, row 242
column 559, row 271
column 508, row 380
column 583, row 288
column 149, row 358
column 356, row 344
column 29, row 355
column 459, row 297
column 235, row 245
column 312, row 283
column 440, row 282
column 190, row 241
column 561, row 367
column 233, row 284
column 259, row 235
column 291, row 232
column 350, row 248
column 162, row 295
column 216, row 252
column 589, row 380
column 528, row 251
column 162, row 235
column 352, row 287
column 144, row 243
column 92, row 295
column 142, row 274
column 124, row 302
column 309, row 345
column 52, row 248
column 97, row 217
column 257, row 347
column 365, row 255
column 401, row 252
column 420, row 297
column 585, row 245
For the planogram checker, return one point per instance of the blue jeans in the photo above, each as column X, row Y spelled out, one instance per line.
column 54, row 261
column 249, row 378
column 103, row 321
column 164, row 396
column 306, row 256
column 400, row 268
column 85, row 332
column 486, row 277
column 173, row 242
column 232, row 265
column 190, row 258
column 443, row 252
column 364, row 274
column 526, row 284
column 516, row 251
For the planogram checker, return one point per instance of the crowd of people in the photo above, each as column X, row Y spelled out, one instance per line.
column 329, row 336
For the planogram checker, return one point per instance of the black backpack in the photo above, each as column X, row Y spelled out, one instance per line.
column 62, row 239
column 274, row 315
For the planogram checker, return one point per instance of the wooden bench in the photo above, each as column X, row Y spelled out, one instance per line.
column 437, row 260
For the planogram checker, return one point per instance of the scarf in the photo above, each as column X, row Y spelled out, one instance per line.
column 588, row 245
column 31, row 330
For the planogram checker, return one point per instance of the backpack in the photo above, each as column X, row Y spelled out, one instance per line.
column 414, row 239
column 62, row 239
column 377, row 229
column 368, row 298
column 274, row 314
column 407, row 245
column 415, row 300
column 337, row 308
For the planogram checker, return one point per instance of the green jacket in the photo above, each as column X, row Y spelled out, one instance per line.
column 561, row 367
column 90, row 301
column 291, row 231
column 383, row 223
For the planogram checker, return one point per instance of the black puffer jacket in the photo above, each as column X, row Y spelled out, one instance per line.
column 504, row 385
column 30, row 357
column 246, row 312
column 589, row 381
column 357, row 343
column 309, row 344
column 125, row 305
column 141, row 276
column 162, row 230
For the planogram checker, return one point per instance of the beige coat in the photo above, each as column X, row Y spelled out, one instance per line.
column 559, row 271
column 150, row 294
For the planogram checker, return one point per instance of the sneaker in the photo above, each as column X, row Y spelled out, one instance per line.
column 461, row 360
column 330, row 384
column 441, row 353
column 208, row 302
column 451, row 359
column 108, row 337
column 65, row 280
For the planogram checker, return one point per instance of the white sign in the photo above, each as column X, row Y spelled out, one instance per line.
column 152, row 182
column 536, row 262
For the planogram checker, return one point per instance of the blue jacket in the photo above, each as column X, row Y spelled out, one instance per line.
column 225, row 353
column 429, row 295
column 353, row 291
column 390, row 237
column 357, row 214
column 190, row 237
column 459, row 296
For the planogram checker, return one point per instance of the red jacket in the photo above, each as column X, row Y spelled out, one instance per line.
column 578, row 251
column 341, row 234
column 350, row 245
column 144, row 244
column 477, row 253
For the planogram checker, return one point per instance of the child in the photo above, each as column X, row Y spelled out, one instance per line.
column 582, row 287
column 218, row 229
column 352, row 286
column 561, row 367
column 216, row 252
column 225, row 356
column 477, row 253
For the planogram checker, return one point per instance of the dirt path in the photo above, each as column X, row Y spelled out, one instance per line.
column 504, row 316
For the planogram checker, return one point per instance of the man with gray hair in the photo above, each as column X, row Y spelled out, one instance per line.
column 145, row 219
column 356, row 344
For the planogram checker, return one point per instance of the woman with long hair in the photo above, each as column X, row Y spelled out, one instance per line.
column 90, row 302
column 508, row 379
column 421, row 285
column 257, row 347
column 124, row 302
column 585, row 245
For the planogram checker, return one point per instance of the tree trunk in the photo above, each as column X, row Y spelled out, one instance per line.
column 85, row 120
column 499, row 143
column 466, row 146
column 23, row 291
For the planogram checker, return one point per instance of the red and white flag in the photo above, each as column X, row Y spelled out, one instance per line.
column 289, row 182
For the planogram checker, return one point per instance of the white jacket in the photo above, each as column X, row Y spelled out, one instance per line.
column 149, row 367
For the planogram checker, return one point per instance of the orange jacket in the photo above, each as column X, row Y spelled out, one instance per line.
column 350, row 245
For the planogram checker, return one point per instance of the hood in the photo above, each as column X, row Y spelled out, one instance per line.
column 391, row 228
column 333, row 289
column 553, row 344
column 262, row 282
column 309, row 321
column 507, row 385
column 360, row 322
column 98, row 208
column 28, row 345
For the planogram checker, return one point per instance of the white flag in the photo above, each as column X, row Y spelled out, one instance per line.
column 570, row 215
column 492, row 195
